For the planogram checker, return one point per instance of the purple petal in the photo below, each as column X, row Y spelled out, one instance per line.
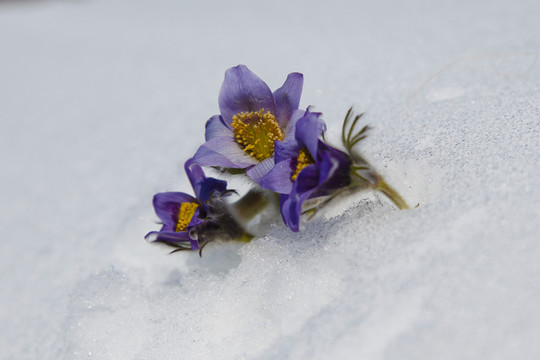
column 284, row 150
column 306, row 180
column 291, row 209
column 303, row 187
column 291, row 128
column 334, row 169
column 261, row 169
column 215, row 127
column 223, row 151
column 195, row 219
column 209, row 186
column 243, row 91
column 166, row 206
column 287, row 98
column 308, row 129
column 168, row 236
column 279, row 178
column 291, row 205
column 203, row 186
column 289, row 147
column 172, row 238
column 289, row 216
column 296, row 209
column 195, row 175
column 330, row 173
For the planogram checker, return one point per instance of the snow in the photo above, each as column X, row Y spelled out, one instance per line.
column 101, row 102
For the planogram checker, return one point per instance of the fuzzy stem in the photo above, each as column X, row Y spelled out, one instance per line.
column 392, row 194
column 252, row 203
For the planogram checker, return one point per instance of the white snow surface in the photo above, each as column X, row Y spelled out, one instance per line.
column 101, row 102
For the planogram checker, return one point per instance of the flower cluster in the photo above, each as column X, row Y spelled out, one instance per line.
column 265, row 136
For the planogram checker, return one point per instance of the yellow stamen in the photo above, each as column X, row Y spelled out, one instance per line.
column 304, row 159
column 185, row 214
column 256, row 132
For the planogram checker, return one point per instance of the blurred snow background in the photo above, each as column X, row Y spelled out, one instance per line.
column 102, row 101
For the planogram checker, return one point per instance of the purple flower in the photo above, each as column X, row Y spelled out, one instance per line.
column 181, row 213
column 251, row 119
column 306, row 167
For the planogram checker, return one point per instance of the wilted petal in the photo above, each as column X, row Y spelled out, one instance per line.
column 287, row 98
column 243, row 91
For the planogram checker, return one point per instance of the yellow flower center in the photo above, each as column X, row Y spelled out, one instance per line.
column 256, row 132
column 304, row 159
column 184, row 215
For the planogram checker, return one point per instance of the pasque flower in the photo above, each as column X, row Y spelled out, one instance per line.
column 183, row 216
column 252, row 118
column 264, row 135
column 306, row 167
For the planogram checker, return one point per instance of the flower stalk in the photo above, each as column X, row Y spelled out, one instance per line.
column 392, row 194
column 250, row 205
column 362, row 170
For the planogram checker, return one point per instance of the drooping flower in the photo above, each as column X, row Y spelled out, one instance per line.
column 306, row 167
column 185, row 217
column 252, row 118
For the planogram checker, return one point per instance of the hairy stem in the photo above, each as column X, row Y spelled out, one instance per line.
column 249, row 205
